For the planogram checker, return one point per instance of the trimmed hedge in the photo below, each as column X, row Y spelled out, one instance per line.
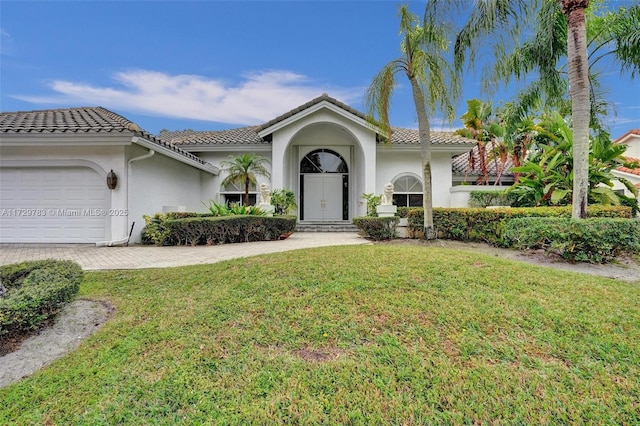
column 491, row 198
column 485, row 225
column 377, row 228
column 590, row 240
column 209, row 230
column 36, row 291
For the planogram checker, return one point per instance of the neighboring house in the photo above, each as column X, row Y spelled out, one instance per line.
column 54, row 166
column 632, row 140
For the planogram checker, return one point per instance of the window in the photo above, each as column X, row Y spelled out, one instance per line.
column 407, row 192
column 234, row 194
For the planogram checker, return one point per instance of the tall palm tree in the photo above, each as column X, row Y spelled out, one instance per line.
column 561, row 30
column 242, row 169
column 580, row 94
column 434, row 86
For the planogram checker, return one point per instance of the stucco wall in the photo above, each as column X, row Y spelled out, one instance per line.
column 161, row 181
column 211, row 185
column 393, row 162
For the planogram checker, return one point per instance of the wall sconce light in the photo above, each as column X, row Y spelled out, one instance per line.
column 112, row 180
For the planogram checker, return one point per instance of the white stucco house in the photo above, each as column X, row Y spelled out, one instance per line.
column 54, row 166
column 632, row 140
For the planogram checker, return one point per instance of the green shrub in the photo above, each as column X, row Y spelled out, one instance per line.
column 36, row 291
column 485, row 225
column 588, row 240
column 227, row 229
column 490, row 198
column 156, row 231
column 233, row 209
column 403, row 211
column 377, row 228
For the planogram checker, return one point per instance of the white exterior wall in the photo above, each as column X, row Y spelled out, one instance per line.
column 633, row 146
column 211, row 186
column 102, row 159
column 161, row 181
column 394, row 162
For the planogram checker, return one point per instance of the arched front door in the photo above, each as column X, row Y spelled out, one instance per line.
column 324, row 186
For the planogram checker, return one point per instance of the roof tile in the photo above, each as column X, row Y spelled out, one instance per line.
column 84, row 120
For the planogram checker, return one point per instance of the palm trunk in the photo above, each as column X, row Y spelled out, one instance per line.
column 580, row 101
column 425, row 149
column 247, row 183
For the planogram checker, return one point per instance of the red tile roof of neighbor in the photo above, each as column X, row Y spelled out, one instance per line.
column 635, row 171
column 630, row 132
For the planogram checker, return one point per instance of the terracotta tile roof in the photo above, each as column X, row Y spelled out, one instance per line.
column 240, row 136
column 401, row 136
column 461, row 166
column 82, row 120
column 630, row 132
column 634, row 171
column 249, row 135
column 323, row 97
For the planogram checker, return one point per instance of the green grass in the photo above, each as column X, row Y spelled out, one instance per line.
column 358, row 335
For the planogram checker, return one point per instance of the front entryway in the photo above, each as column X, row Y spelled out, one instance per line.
column 324, row 186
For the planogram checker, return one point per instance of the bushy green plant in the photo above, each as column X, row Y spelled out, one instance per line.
column 284, row 201
column 402, row 212
column 485, row 225
column 35, row 292
column 229, row 229
column 490, row 198
column 377, row 228
column 373, row 201
column 155, row 231
column 217, row 209
column 587, row 240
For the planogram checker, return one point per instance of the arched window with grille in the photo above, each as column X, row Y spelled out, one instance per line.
column 407, row 191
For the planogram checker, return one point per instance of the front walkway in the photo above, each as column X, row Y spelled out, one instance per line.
column 136, row 257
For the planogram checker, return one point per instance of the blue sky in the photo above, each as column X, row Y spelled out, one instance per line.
column 209, row 65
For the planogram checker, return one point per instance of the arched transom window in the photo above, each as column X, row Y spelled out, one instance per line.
column 323, row 161
column 407, row 191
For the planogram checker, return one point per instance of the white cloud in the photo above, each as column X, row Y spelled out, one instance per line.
column 257, row 98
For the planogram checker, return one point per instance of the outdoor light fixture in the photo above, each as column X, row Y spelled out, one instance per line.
column 112, row 180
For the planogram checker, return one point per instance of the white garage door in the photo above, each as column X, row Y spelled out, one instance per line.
column 52, row 205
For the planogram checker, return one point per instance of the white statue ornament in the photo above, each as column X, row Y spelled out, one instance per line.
column 265, row 196
column 387, row 195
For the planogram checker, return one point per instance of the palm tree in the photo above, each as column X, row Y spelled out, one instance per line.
column 480, row 125
column 561, row 29
column 434, row 85
column 242, row 169
column 580, row 94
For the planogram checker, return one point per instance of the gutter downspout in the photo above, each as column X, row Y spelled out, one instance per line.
column 125, row 239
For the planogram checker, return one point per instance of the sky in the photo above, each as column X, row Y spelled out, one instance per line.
column 212, row 65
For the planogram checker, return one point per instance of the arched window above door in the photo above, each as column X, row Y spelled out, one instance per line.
column 323, row 161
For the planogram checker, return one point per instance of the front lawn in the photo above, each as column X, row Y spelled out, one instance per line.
column 362, row 335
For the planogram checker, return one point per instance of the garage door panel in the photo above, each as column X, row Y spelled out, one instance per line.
column 61, row 197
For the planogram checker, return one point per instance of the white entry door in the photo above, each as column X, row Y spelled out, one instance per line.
column 323, row 197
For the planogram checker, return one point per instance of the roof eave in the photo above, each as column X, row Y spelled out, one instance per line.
column 64, row 139
column 312, row 109
column 204, row 166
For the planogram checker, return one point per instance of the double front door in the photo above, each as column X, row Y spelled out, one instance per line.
column 324, row 184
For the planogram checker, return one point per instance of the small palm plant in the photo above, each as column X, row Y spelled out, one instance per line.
column 243, row 169
column 283, row 200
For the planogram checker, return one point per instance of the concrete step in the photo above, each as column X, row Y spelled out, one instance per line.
column 326, row 227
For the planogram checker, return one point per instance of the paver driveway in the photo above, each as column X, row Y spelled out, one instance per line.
column 134, row 257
